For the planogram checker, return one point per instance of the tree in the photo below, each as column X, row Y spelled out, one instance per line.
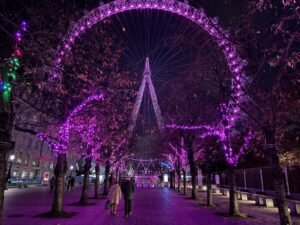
column 210, row 159
column 194, row 105
column 112, row 153
column 9, row 70
column 179, row 161
column 272, row 66
column 87, row 149
column 61, row 147
column 82, row 74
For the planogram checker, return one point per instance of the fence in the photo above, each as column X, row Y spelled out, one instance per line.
column 260, row 179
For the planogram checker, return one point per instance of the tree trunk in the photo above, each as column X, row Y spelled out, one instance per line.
column 208, row 190
column 2, row 179
column 110, row 180
column 179, row 180
column 184, row 182
column 117, row 174
column 174, row 180
column 85, row 187
column 278, row 176
column 190, row 154
column 194, row 176
column 97, row 170
column 106, row 179
column 60, row 171
column 233, row 201
column 171, row 179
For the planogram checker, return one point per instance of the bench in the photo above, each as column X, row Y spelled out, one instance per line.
column 244, row 196
column 224, row 191
column 265, row 200
column 215, row 189
column 294, row 206
column 261, row 200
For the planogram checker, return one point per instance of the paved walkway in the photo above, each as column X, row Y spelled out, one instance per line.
column 150, row 207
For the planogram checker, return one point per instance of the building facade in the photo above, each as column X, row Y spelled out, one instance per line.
column 31, row 159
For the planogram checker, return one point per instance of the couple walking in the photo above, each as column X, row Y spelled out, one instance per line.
column 114, row 196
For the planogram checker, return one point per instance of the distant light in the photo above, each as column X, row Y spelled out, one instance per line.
column 71, row 167
column 166, row 178
column 12, row 157
column 123, row 29
column 101, row 178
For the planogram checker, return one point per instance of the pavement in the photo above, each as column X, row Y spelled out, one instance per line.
column 151, row 206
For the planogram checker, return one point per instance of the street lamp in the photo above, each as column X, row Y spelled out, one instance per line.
column 8, row 175
column 71, row 168
column 12, row 158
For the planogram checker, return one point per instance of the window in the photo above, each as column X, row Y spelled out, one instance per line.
column 27, row 159
column 24, row 174
column 31, row 175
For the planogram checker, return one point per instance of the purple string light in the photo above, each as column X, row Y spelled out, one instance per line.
column 89, row 147
column 186, row 127
column 221, row 130
column 114, row 160
column 60, row 147
column 235, row 63
column 178, row 156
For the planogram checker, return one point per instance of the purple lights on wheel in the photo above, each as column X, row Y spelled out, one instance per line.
column 222, row 38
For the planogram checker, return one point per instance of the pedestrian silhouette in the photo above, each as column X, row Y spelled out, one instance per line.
column 127, row 188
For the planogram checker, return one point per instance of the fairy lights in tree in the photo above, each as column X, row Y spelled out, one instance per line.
column 221, row 36
column 178, row 156
column 222, row 130
column 186, row 127
column 13, row 65
column 117, row 156
column 89, row 147
column 61, row 145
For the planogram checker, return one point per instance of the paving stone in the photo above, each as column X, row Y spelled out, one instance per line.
column 151, row 206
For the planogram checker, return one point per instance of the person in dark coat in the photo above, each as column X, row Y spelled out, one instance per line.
column 52, row 184
column 127, row 188
column 69, row 183
column 72, row 182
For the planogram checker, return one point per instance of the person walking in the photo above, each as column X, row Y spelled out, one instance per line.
column 72, row 182
column 127, row 188
column 52, row 184
column 69, row 183
column 114, row 196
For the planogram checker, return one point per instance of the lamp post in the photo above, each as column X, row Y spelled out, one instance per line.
column 8, row 175
column 71, row 168
column 12, row 158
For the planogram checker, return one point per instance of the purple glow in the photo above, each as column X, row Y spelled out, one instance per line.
column 186, row 127
column 60, row 147
column 178, row 156
column 176, row 7
column 116, row 159
column 234, row 62
column 221, row 131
